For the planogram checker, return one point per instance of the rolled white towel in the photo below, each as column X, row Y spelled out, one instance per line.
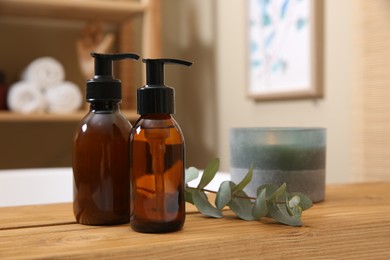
column 45, row 71
column 25, row 97
column 63, row 98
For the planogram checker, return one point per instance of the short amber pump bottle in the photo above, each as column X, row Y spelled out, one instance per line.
column 157, row 156
column 101, row 151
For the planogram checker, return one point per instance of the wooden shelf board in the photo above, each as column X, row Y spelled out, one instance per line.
column 6, row 116
column 114, row 11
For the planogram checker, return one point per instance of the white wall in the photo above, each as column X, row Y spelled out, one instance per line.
column 235, row 109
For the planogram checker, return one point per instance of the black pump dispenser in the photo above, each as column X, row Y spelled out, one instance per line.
column 104, row 86
column 155, row 97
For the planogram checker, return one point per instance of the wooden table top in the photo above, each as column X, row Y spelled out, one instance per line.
column 352, row 223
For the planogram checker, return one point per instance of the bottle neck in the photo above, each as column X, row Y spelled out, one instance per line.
column 157, row 116
column 109, row 106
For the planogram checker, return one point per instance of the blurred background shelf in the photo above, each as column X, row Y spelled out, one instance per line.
column 37, row 28
column 133, row 20
column 113, row 11
column 6, row 116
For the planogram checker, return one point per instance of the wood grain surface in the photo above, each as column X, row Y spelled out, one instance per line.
column 352, row 223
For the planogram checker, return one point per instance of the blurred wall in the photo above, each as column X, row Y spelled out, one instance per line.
column 189, row 32
column 333, row 111
column 212, row 97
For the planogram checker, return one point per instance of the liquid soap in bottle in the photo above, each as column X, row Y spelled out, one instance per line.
column 157, row 156
column 101, row 151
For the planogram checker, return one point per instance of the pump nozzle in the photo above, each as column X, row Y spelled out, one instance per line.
column 155, row 69
column 155, row 97
column 103, row 62
column 104, row 86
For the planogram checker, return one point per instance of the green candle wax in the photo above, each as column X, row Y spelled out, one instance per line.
column 296, row 156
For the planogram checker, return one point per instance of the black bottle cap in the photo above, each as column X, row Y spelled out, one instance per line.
column 104, row 86
column 155, row 97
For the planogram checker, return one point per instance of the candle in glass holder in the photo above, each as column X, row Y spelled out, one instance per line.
column 295, row 156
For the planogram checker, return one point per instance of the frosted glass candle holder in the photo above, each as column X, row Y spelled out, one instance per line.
column 295, row 156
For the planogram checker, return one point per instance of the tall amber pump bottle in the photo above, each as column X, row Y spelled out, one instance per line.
column 101, row 151
column 157, row 156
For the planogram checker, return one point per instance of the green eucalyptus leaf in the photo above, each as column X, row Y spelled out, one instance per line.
column 278, row 192
column 242, row 206
column 188, row 195
column 209, row 173
column 305, row 202
column 297, row 211
column 290, row 211
column 279, row 213
column 244, row 181
column 294, row 201
column 191, row 174
column 283, row 196
column 260, row 207
column 203, row 205
column 288, row 208
column 270, row 190
column 224, row 194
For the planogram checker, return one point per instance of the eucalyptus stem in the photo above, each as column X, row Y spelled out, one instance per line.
column 241, row 197
column 235, row 196
column 210, row 191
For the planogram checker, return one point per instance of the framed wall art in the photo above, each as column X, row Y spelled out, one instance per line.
column 285, row 49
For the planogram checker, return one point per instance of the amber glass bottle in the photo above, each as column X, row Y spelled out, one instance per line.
column 157, row 157
column 3, row 92
column 101, row 152
column 157, row 171
column 100, row 164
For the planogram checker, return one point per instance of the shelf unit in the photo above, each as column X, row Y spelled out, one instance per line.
column 119, row 12
column 10, row 117
column 114, row 11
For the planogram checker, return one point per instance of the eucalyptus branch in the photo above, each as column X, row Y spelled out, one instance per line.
column 271, row 201
column 241, row 197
